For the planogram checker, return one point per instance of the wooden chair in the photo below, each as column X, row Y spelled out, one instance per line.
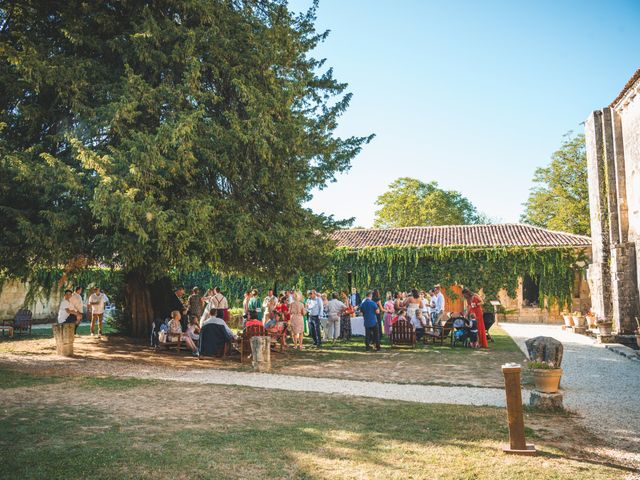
column 403, row 333
column 21, row 322
column 279, row 338
column 439, row 332
column 244, row 342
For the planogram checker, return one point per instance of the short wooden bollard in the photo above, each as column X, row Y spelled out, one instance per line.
column 63, row 334
column 517, row 443
column 261, row 353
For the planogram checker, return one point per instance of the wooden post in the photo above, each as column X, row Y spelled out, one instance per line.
column 64, row 334
column 261, row 353
column 517, row 443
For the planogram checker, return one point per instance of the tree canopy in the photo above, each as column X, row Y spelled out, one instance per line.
column 172, row 134
column 410, row 202
column 559, row 199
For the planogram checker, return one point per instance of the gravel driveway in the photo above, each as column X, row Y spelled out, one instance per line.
column 603, row 387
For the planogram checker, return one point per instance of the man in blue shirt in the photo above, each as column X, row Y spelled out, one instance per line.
column 370, row 313
column 314, row 307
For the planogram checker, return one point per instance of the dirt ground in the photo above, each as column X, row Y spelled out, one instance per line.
column 424, row 365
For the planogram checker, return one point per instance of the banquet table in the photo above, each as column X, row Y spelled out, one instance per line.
column 357, row 326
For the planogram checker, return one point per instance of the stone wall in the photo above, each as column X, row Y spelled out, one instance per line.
column 12, row 298
column 613, row 158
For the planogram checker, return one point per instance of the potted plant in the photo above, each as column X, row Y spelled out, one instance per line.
column 576, row 317
column 604, row 326
column 591, row 319
column 546, row 376
column 567, row 318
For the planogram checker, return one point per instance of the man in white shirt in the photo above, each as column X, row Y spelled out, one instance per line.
column 219, row 303
column 219, row 321
column 76, row 301
column 437, row 302
column 97, row 300
column 67, row 313
column 334, row 308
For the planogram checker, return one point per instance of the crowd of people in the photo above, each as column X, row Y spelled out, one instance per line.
column 326, row 317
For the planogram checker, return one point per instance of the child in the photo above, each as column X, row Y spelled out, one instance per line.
column 473, row 331
column 194, row 328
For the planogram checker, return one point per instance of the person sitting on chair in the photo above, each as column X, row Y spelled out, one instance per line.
column 175, row 333
column 419, row 323
column 401, row 316
column 219, row 321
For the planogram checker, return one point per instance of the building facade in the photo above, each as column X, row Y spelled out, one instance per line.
column 524, row 306
column 613, row 158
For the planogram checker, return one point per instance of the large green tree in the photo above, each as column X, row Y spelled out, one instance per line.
column 409, row 202
column 150, row 135
column 559, row 198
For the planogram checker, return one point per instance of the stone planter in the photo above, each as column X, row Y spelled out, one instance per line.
column 567, row 320
column 605, row 328
column 547, row 380
column 64, row 334
column 577, row 320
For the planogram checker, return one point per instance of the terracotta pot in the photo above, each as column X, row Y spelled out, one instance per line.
column 547, row 380
column 591, row 321
column 605, row 328
column 577, row 321
column 638, row 339
column 567, row 320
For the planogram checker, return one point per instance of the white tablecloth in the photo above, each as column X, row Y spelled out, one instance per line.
column 357, row 326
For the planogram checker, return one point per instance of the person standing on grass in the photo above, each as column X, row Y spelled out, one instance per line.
column 194, row 303
column 98, row 300
column 76, row 301
column 389, row 310
column 345, row 318
column 334, row 308
column 370, row 313
column 220, row 303
column 314, row 308
column 296, row 323
column 67, row 312
column 254, row 306
column 474, row 307
column 437, row 305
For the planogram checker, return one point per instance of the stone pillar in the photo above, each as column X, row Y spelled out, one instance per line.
column 623, row 253
column 623, row 287
column 599, row 274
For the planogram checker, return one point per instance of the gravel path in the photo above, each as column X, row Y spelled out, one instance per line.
column 601, row 386
column 390, row 391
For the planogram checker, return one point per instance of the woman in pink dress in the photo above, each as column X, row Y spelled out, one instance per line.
column 389, row 310
column 296, row 322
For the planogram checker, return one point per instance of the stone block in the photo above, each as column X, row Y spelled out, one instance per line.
column 546, row 401
column 600, row 338
column 545, row 349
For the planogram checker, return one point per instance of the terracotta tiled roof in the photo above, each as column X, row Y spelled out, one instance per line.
column 630, row 83
column 502, row 235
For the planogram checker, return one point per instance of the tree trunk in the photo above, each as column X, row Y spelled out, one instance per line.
column 138, row 304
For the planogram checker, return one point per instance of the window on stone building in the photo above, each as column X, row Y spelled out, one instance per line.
column 530, row 291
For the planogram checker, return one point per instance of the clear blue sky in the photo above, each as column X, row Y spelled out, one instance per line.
column 472, row 94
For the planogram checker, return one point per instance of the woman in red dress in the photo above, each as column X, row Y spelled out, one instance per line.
column 474, row 305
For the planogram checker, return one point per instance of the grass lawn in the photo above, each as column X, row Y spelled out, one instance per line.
column 428, row 364
column 89, row 427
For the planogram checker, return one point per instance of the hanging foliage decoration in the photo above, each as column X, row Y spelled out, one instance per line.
column 384, row 268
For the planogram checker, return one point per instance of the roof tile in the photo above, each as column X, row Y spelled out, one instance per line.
column 500, row 235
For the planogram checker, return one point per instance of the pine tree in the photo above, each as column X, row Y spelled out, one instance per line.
column 165, row 134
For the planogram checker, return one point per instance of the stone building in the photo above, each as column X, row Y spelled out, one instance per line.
column 613, row 156
column 523, row 307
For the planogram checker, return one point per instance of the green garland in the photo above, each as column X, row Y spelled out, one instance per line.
column 385, row 268
column 400, row 268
